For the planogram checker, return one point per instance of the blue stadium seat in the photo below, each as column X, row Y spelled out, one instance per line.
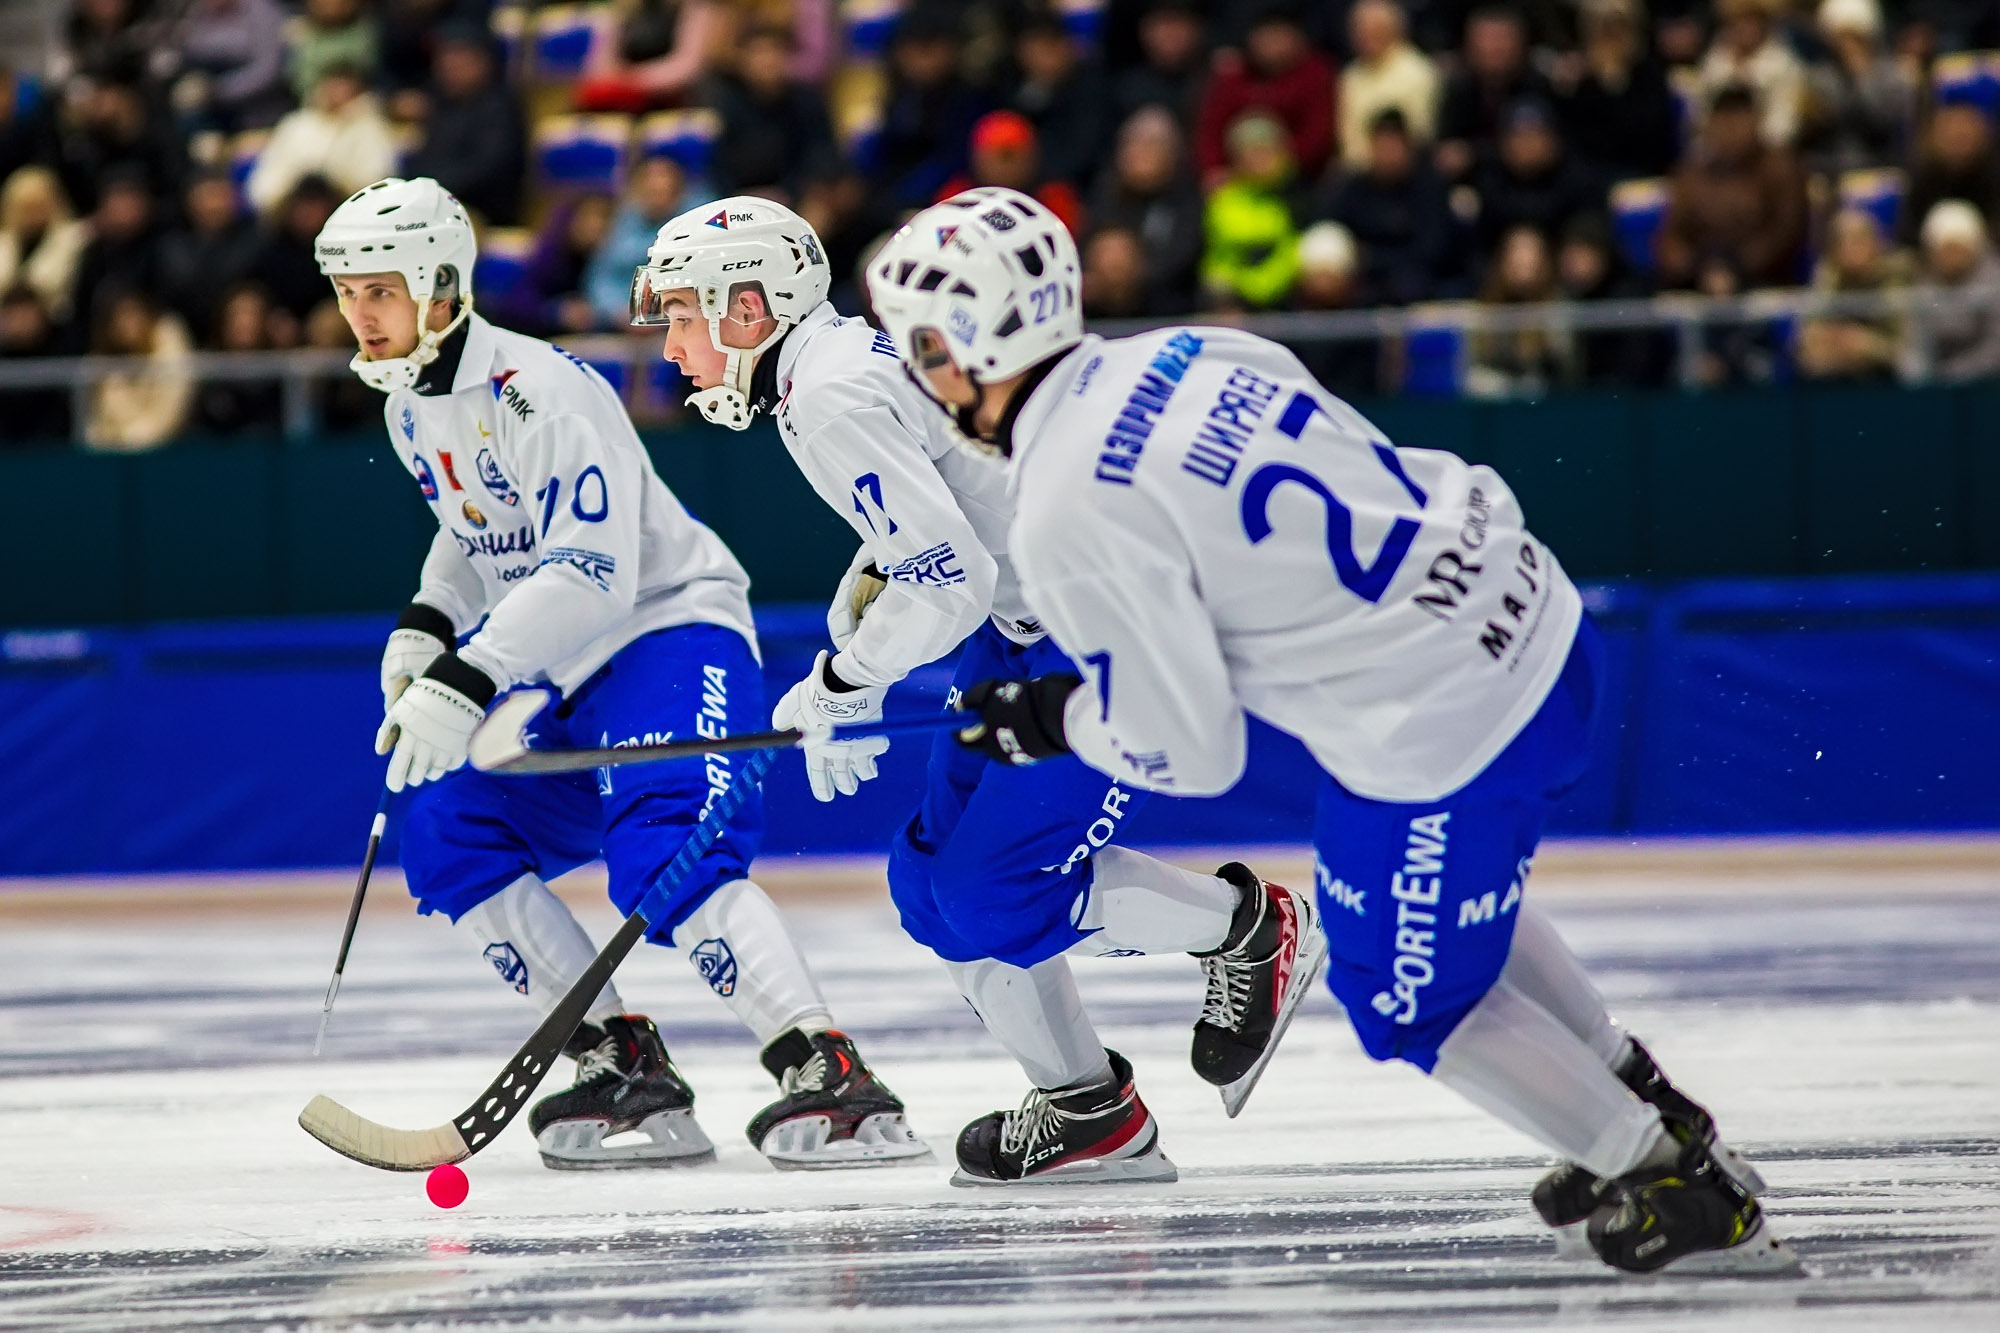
column 1877, row 191
column 1083, row 18
column 510, row 24
column 869, row 25
column 561, row 42
column 1638, row 207
column 583, row 152
column 687, row 136
column 1968, row 76
column 502, row 267
column 664, row 383
column 1434, row 361
column 243, row 152
column 616, row 373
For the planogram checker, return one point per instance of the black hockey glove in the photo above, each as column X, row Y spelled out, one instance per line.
column 1020, row 721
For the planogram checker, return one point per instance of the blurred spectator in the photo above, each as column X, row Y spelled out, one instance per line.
column 340, row 135
column 124, row 247
column 132, row 411
column 1114, row 276
column 841, row 208
column 214, row 247
column 1959, row 161
column 1252, row 253
column 775, row 132
column 1521, row 363
column 1931, row 26
column 232, row 57
column 1859, row 103
column 1617, row 111
column 1750, row 51
column 343, row 402
column 1062, row 92
column 650, row 53
column 1330, row 279
column 27, row 330
column 1958, row 262
column 1398, row 211
column 41, row 242
column 927, row 119
column 1530, row 181
column 1589, row 267
column 1007, row 152
column 1496, row 74
column 1736, row 210
column 656, row 192
column 474, row 143
column 1846, row 346
column 329, row 35
column 285, row 266
column 550, row 300
column 1279, row 73
column 1149, row 191
column 1172, row 71
column 104, row 40
column 1386, row 72
column 233, row 406
column 112, row 127
column 27, row 122
column 406, row 31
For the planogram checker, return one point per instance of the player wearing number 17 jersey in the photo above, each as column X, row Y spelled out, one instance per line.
column 1215, row 536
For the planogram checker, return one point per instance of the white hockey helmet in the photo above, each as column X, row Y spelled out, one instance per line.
column 714, row 249
column 995, row 273
column 411, row 227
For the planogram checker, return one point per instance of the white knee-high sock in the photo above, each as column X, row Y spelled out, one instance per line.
column 1037, row 1015
column 1141, row 904
column 1541, row 966
column 1512, row 1059
column 739, row 943
column 536, row 945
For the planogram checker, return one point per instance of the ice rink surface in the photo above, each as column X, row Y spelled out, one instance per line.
column 152, row 1176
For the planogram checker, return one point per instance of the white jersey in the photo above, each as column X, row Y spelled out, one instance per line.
column 932, row 514
column 552, row 526
column 1208, row 532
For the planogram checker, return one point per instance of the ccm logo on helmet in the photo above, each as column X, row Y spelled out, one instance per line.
column 742, row 264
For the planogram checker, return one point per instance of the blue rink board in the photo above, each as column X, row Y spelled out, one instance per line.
column 1741, row 707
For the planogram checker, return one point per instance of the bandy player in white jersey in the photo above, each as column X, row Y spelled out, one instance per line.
column 1213, row 535
column 561, row 558
column 1002, row 870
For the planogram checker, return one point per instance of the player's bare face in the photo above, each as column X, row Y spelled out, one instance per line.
column 379, row 309
column 688, row 344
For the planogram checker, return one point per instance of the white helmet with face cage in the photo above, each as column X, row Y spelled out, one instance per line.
column 415, row 228
column 716, row 249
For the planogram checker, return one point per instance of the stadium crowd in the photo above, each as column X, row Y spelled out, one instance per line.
column 166, row 171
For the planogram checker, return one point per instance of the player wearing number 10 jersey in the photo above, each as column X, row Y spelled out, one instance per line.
column 1214, row 535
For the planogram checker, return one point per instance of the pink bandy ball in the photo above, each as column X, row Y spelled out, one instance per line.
column 447, row 1186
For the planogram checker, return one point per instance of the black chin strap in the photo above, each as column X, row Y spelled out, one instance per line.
column 1003, row 434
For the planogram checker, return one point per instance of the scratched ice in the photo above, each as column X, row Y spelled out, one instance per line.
column 151, row 1175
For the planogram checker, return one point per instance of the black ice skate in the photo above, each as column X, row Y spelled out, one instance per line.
column 1098, row 1132
column 1571, row 1193
column 834, row 1112
column 1690, row 1214
column 1273, row 953
column 624, row 1081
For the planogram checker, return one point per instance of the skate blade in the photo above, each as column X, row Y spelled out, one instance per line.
column 1147, row 1168
column 1738, row 1168
column 806, row 1144
column 578, row 1145
column 1573, row 1243
column 1305, row 971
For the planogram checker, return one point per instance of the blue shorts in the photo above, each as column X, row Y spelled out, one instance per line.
column 1419, row 900
column 472, row 834
column 996, row 861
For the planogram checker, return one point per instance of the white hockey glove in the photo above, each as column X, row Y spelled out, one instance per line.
column 430, row 725
column 815, row 707
column 859, row 588
column 420, row 635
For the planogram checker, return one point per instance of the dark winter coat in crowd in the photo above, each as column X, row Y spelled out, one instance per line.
column 153, row 150
column 1852, row 123
column 1932, row 181
column 32, row 416
column 1179, row 91
column 1749, row 215
column 1169, row 226
column 1404, row 228
column 926, row 133
column 1470, row 108
column 195, row 268
column 1625, row 132
column 1547, row 202
column 1072, row 124
column 1302, row 98
column 233, row 407
column 406, row 32
column 554, row 270
column 27, row 127
column 286, row 268
column 476, row 147
column 784, row 141
column 111, row 264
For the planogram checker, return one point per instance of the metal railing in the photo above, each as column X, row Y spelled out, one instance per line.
column 1688, row 319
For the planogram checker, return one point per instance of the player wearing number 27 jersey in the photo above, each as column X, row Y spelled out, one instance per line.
column 1210, row 535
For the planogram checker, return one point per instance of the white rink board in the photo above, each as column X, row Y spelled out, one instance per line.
column 152, row 1175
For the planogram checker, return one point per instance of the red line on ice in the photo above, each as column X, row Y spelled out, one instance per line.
column 58, row 1224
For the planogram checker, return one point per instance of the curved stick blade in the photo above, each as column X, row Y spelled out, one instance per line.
column 503, row 735
column 371, row 1144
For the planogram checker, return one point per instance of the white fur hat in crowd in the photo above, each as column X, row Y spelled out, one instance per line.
column 1862, row 16
column 1953, row 220
column 1328, row 247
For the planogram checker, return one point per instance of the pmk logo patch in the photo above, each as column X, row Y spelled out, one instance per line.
column 717, row 965
column 509, row 964
column 500, row 382
column 721, row 219
column 944, row 235
column 426, row 480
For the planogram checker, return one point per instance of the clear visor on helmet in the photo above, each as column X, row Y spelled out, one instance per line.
column 651, row 289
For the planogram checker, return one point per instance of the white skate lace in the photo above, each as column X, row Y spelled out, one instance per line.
column 1230, row 978
column 602, row 1059
column 808, row 1077
column 1038, row 1121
